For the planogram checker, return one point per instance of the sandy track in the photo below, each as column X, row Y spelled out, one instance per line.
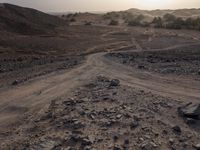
column 36, row 94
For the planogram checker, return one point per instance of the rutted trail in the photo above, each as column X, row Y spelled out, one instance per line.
column 34, row 95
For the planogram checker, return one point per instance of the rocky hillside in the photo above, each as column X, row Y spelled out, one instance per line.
column 26, row 21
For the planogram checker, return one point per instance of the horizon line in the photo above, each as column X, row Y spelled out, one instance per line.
column 102, row 11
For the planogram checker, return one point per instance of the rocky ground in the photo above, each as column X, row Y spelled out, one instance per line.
column 24, row 57
column 96, row 87
column 53, row 96
column 177, row 61
column 17, row 70
column 105, row 114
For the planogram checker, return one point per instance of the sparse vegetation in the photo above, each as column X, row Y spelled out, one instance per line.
column 138, row 21
column 157, row 22
column 172, row 22
column 112, row 15
column 168, row 21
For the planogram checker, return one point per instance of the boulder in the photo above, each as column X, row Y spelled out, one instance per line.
column 190, row 111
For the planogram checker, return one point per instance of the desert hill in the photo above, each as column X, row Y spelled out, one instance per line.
column 123, row 17
column 25, row 20
column 184, row 13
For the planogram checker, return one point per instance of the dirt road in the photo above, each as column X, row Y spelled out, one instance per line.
column 36, row 94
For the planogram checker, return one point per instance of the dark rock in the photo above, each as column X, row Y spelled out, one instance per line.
column 190, row 111
column 171, row 141
column 115, row 137
column 190, row 121
column 69, row 102
column 124, row 62
column 16, row 82
column 119, row 116
column 177, row 129
column 141, row 67
column 114, row 93
column 116, row 148
column 197, row 146
column 168, row 70
column 134, row 124
column 46, row 144
column 185, row 144
column 87, row 141
column 110, row 123
column 101, row 78
column 81, row 112
column 136, row 118
column 87, row 148
column 92, row 115
column 49, row 115
column 75, row 137
column 2, row 70
column 114, row 82
column 73, row 123
column 165, row 132
column 20, row 59
column 84, row 140
column 149, row 146
column 126, row 142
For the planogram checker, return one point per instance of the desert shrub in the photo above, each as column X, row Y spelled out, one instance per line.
column 157, row 22
column 113, row 22
column 139, row 18
column 70, row 15
column 171, row 22
column 112, row 15
column 189, row 23
column 133, row 23
column 145, row 24
column 178, row 23
column 197, row 22
column 137, row 21
column 127, row 16
column 192, row 23
column 169, row 18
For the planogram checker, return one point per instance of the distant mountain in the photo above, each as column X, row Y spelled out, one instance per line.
column 26, row 21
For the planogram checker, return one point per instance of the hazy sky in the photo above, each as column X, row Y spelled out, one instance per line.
column 103, row 5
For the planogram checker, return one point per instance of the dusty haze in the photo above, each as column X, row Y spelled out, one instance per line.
column 103, row 5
